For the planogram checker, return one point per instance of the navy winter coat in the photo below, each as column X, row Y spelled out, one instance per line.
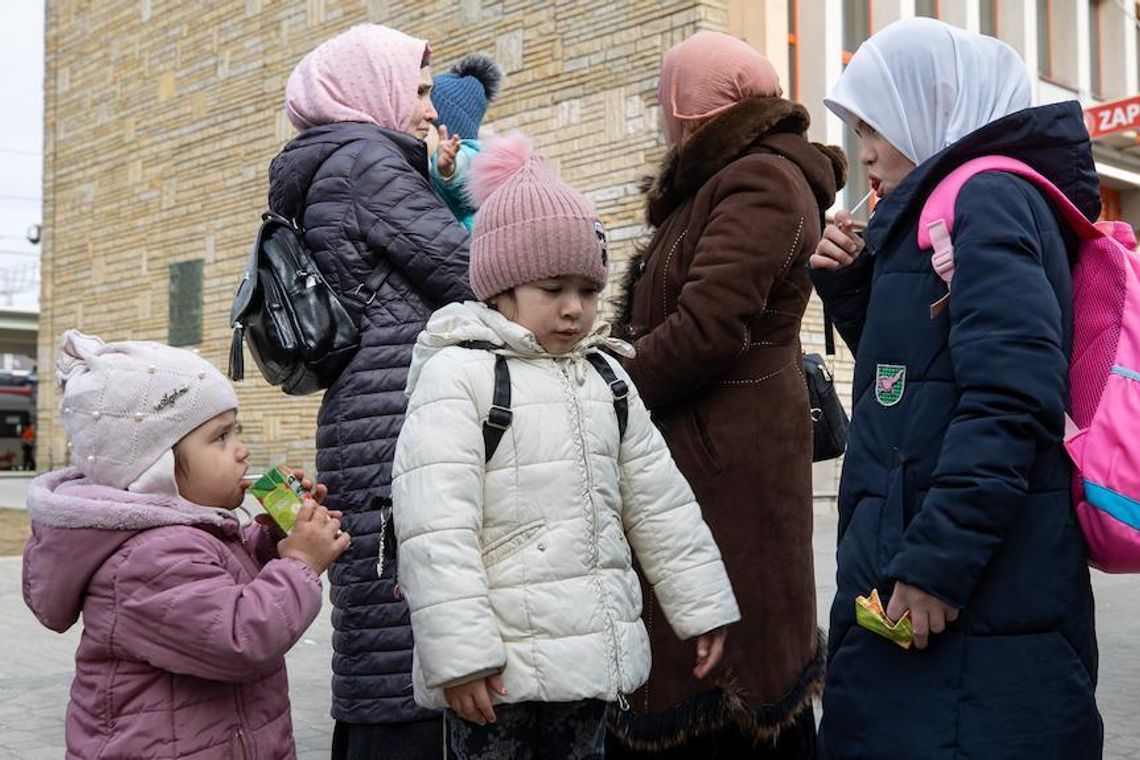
column 363, row 196
column 956, row 480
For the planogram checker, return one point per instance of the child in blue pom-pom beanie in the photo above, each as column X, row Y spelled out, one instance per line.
column 460, row 97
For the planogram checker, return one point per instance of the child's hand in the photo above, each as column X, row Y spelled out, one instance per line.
column 472, row 700
column 266, row 521
column 710, row 647
column 317, row 490
column 928, row 614
column 839, row 246
column 316, row 539
column 445, row 153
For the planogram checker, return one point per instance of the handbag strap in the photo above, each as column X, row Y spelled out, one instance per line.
column 828, row 332
column 371, row 286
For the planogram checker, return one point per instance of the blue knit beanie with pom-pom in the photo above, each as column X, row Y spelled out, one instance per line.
column 461, row 95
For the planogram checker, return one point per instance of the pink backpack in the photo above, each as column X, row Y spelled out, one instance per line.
column 1104, row 374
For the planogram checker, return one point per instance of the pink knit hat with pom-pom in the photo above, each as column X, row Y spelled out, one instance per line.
column 530, row 225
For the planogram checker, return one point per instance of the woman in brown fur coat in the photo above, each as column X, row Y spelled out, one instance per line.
column 714, row 307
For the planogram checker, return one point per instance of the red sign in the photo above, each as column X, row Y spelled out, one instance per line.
column 1114, row 117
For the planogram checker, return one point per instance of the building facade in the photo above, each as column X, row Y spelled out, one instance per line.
column 162, row 118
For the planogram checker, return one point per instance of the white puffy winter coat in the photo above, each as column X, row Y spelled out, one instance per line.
column 522, row 566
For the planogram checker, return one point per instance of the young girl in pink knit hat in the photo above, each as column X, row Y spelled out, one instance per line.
column 186, row 615
column 527, row 474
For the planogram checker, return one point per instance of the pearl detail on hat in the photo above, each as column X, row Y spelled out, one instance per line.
column 138, row 416
column 151, row 369
column 96, row 414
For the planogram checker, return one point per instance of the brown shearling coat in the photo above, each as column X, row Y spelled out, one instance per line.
column 714, row 307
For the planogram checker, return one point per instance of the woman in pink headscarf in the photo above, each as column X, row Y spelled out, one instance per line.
column 356, row 179
column 713, row 306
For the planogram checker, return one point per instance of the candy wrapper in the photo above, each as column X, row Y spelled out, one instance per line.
column 870, row 614
column 281, row 495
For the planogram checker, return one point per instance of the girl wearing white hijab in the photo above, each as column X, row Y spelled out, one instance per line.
column 954, row 502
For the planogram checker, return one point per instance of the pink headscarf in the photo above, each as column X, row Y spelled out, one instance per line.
column 368, row 73
column 708, row 73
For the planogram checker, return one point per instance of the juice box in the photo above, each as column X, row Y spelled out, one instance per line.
column 281, row 495
column 869, row 613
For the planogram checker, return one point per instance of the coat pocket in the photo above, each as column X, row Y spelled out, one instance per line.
column 512, row 543
column 1026, row 696
column 703, row 447
column 892, row 517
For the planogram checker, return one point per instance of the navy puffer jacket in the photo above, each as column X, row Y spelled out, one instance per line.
column 955, row 479
column 363, row 196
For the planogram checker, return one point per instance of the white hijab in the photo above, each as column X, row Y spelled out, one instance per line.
column 924, row 85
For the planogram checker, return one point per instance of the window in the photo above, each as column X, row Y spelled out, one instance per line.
column 1096, row 48
column 929, row 8
column 185, row 309
column 856, row 29
column 793, row 50
column 1044, row 38
column 989, row 11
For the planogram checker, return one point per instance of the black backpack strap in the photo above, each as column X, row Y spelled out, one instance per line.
column 499, row 416
column 618, row 387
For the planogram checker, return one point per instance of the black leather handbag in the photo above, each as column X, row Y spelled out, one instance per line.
column 829, row 419
column 299, row 331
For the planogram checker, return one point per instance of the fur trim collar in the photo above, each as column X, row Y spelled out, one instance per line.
column 721, row 141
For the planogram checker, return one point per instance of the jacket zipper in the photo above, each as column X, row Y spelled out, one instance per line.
column 243, row 749
column 623, row 703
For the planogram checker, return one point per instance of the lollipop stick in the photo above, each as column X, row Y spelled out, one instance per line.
column 861, row 203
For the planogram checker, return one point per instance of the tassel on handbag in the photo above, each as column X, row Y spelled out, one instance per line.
column 237, row 356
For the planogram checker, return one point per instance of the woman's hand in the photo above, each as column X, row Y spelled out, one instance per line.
column 472, row 700
column 710, row 647
column 928, row 614
column 839, row 246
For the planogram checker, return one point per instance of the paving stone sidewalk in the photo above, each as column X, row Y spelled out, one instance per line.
column 36, row 666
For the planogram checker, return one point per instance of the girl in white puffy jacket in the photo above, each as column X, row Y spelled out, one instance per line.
column 517, row 506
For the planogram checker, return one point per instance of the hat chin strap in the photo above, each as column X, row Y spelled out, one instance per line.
column 158, row 478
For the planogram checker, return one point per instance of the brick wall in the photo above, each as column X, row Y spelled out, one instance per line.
column 162, row 118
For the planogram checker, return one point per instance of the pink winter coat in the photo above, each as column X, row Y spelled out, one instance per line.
column 186, row 622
